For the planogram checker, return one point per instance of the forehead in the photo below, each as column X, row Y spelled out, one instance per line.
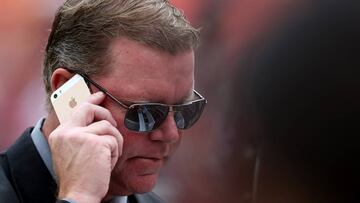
column 142, row 73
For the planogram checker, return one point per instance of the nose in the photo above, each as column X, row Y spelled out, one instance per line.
column 167, row 131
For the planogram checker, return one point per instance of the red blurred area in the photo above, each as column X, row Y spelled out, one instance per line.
column 23, row 31
column 198, row 172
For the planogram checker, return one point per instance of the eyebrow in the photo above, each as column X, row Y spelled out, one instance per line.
column 188, row 98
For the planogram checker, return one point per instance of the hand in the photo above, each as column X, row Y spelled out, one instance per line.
column 85, row 150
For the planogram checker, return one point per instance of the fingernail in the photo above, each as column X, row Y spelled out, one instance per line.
column 100, row 93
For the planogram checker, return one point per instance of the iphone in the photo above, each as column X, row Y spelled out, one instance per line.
column 70, row 95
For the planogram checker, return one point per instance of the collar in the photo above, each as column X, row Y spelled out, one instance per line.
column 42, row 146
column 120, row 199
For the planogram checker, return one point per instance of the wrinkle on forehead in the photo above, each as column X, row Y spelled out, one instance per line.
column 143, row 74
column 138, row 94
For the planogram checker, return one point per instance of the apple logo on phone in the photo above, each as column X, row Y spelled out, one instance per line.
column 72, row 102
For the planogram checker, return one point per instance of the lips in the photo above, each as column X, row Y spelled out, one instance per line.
column 146, row 165
column 151, row 157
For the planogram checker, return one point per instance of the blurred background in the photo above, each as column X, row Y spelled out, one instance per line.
column 282, row 82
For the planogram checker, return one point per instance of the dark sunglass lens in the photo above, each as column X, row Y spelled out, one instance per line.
column 185, row 116
column 179, row 119
column 144, row 118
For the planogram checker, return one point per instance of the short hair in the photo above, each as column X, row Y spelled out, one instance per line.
column 83, row 30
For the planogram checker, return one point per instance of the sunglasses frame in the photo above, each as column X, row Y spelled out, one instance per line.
column 112, row 97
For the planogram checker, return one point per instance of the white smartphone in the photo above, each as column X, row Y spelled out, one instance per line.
column 70, row 95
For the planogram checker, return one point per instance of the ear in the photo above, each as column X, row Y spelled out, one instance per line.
column 59, row 77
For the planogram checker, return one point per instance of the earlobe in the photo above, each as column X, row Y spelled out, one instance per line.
column 59, row 77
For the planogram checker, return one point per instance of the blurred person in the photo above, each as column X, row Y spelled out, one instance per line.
column 137, row 57
column 302, row 88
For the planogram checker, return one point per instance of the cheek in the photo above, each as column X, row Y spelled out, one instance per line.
column 118, row 114
column 175, row 145
column 130, row 143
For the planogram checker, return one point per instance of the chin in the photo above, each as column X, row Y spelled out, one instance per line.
column 144, row 183
column 122, row 186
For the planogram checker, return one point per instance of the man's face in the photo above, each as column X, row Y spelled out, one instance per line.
column 143, row 74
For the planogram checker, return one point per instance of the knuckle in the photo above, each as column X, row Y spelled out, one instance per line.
column 84, row 107
column 106, row 124
column 112, row 142
column 105, row 110
column 92, row 142
column 54, row 135
column 72, row 131
column 120, row 142
column 87, row 107
column 73, row 134
column 66, row 134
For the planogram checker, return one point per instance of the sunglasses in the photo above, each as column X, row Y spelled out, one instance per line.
column 146, row 117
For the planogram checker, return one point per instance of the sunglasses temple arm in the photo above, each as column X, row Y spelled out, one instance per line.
column 104, row 91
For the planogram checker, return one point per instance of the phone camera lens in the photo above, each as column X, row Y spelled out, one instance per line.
column 55, row 96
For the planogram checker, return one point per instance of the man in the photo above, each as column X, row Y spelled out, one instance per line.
column 137, row 57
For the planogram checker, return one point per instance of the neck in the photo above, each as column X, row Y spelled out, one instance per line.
column 51, row 122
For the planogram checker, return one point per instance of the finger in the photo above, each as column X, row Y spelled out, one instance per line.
column 111, row 142
column 103, row 127
column 96, row 98
column 87, row 113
